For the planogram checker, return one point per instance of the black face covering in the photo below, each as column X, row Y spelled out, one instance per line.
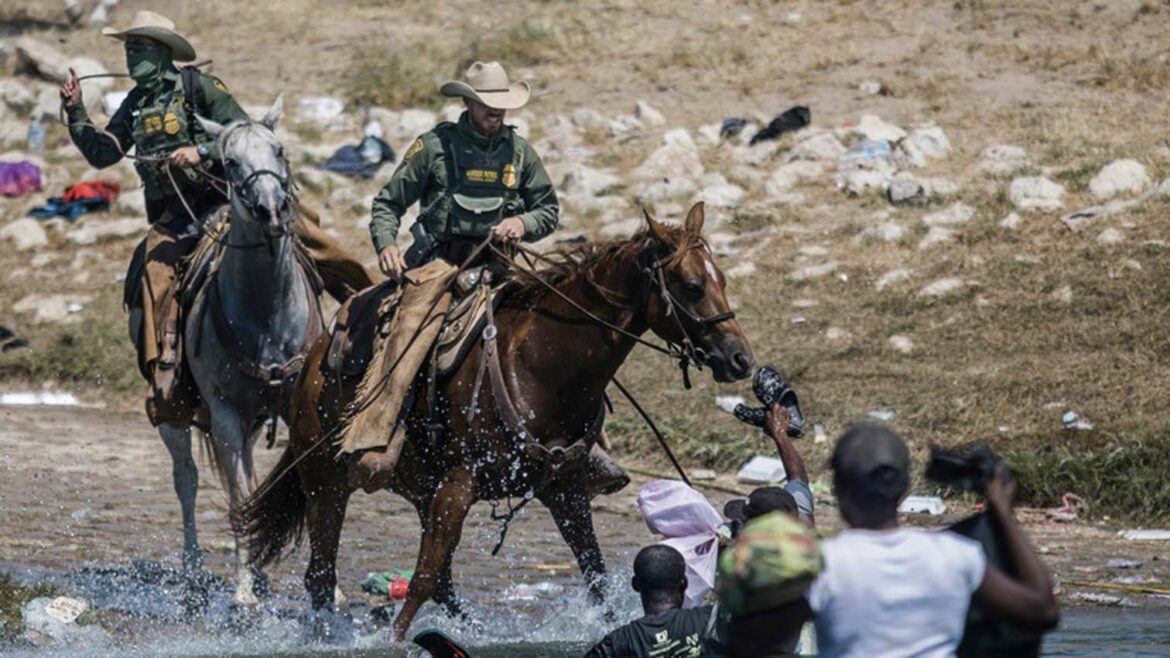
column 146, row 61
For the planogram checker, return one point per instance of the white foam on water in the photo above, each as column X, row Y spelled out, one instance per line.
column 33, row 398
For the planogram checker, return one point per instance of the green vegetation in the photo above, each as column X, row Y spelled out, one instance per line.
column 1120, row 479
column 12, row 597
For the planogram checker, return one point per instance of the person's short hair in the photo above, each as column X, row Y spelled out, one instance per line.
column 659, row 568
column 871, row 466
column 760, row 502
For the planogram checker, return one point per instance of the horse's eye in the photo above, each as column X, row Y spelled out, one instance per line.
column 694, row 288
column 229, row 163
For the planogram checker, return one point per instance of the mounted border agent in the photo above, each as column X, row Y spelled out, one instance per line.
column 178, row 163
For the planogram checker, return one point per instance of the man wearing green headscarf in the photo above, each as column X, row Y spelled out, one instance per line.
column 178, row 164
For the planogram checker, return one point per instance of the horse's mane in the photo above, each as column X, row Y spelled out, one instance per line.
column 581, row 261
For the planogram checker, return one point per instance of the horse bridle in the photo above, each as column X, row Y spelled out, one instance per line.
column 687, row 352
column 243, row 189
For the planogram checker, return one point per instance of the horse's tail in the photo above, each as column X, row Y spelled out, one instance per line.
column 274, row 517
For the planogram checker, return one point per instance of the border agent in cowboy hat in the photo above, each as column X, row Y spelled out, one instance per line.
column 471, row 177
column 157, row 119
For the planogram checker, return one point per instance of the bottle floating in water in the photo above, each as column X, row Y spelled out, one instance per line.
column 36, row 136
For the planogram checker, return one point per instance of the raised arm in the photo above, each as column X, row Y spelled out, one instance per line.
column 776, row 426
column 1028, row 600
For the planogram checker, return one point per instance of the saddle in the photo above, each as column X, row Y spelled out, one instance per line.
column 363, row 323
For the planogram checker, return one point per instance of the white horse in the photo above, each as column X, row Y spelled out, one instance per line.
column 248, row 329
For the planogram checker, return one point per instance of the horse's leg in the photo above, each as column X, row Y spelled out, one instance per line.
column 441, row 534
column 325, row 516
column 444, row 585
column 186, row 477
column 569, row 504
column 232, row 443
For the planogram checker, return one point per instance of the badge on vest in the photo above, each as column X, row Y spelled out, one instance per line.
column 171, row 124
column 152, row 124
column 509, row 179
column 482, row 175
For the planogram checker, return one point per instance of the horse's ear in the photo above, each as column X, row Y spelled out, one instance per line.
column 694, row 223
column 657, row 230
column 273, row 117
column 212, row 128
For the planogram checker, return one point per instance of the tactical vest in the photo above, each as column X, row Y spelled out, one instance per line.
column 160, row 126
column 483, row 187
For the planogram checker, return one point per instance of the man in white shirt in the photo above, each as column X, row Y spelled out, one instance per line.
column 891, row 591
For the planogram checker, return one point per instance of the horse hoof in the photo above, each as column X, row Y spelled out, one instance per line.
column 261, row 586
column 195, row 594
column 329, row 627
column 242, row 618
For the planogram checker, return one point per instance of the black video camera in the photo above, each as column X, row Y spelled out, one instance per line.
column 969, row 471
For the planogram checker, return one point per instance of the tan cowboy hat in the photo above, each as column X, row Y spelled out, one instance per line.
column 487, row 82
column 159, row 28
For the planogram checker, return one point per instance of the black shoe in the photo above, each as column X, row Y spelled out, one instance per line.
column 771, row 388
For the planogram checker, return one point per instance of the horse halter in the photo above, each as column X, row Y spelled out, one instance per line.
column 687, row 352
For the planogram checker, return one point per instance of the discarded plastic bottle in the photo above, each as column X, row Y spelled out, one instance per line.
column 36, row 136
column 866, row 154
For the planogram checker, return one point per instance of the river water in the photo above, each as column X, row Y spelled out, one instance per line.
column 97, row 517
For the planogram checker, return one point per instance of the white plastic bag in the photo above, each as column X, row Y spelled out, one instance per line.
column 688, row 522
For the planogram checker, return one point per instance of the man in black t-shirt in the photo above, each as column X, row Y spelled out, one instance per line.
column 666, row 630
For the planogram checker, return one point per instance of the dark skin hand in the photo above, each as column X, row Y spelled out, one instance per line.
column 1028, row 600
column 776, row 426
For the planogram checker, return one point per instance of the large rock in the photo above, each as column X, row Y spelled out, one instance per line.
column 813, row 272
column 52, row 309
column 788, row 176
column 678, row 157
column 886, row 231
column 960, row 213
column 94, row 231
column 817, row 146
column 716, row 191
column 1035, row 193
column 1118, row 177
column 942, row 287
column 1003, row 159
column 890, row 278
column 872, row 127
column 648, row 115
column 16, row 96
column 584, row 180
column 856, row 182
column 25, row 234
column 905, row 190
column 935, row 236
column 38, row 58
column 623, row 228
column 670, row 189
column 930, row 141
column 584, row 117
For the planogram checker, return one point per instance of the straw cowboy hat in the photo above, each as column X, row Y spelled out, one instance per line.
column 161, row 29
column 487, row 82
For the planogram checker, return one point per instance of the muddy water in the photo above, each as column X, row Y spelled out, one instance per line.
column 86, row 503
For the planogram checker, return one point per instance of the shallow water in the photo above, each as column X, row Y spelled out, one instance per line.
column 143, row 604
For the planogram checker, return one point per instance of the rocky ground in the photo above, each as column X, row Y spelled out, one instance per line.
column 968, row 240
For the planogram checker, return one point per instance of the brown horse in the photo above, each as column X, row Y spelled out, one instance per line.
column 555, row 364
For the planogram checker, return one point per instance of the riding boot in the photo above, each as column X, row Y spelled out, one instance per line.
column 603, row 475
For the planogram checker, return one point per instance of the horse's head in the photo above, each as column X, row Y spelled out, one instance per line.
column 687, row 305
column 257, row 170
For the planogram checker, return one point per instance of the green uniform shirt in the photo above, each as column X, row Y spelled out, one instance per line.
column 502, row 166
column 155, row 121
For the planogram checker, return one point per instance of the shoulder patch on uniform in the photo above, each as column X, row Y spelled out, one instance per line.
column 413, row 150
column 218, row 84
